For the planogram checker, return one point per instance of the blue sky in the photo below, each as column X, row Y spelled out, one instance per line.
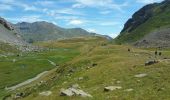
column 100, row 16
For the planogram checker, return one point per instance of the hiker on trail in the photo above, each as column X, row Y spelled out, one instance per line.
column 156, row 52
column 128, row 49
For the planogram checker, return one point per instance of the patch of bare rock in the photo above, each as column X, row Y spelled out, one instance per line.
column 112, row 88
column 74, row 90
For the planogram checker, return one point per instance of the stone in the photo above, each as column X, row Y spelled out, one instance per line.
column 79, row 92
column 80, row 78
column 45, row 93
column 19, row 95
column 66, row 92
column 14, row 60
column 76, row 86
column 111, row 88
column 128, row 90
column 118, row 82
column 151, row 62
column 94, row 64
column 74, row 92
column 141, row 75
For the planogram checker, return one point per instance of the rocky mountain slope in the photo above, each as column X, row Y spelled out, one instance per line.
column 11, row 40
column 8, row 34
column 43, row 31
column 152, row 21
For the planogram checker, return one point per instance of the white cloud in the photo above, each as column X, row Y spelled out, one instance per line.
column 113, row 35
column 6, row 1
column 109, row 23
column 107, row 4
column 148, row 1
column 29, row 8
column 45, row 3
column 9, row 4
column 105, row 12
column 31, row 18
column 4, row 7
column 75, row 22
column 78, row 5
column 67, row 11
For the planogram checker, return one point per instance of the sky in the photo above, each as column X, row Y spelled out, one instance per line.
column 105, row 17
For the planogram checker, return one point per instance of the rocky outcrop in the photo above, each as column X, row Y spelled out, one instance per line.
column 143, row 15
column 6, row 24
column 160, row 38
column 139, row 18
column 74, row 90
column 149, row 26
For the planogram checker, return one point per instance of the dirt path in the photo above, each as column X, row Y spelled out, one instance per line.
column 26, row 82
column 52, row 63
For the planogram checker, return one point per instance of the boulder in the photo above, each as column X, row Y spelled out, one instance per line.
column 19, row 95
column 111, row 88
column 66, row 92
column 79, row 92
column 150, row 62
column 128, row 90
column 45, row 93
column 141, row 75
column 74, row 92
column 76, row 86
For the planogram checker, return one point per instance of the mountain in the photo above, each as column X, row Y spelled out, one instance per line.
column 148, row 25
column 44, row 31
column 8, row 34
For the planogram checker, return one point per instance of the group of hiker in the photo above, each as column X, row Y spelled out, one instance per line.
column 156, row 52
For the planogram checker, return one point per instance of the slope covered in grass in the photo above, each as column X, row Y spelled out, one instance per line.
column 114, row 66
column 150, row 18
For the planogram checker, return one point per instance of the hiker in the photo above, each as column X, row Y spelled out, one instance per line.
column 128, row 49
column 156, row 52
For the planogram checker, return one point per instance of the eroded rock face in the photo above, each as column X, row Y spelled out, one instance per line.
column 6, row 24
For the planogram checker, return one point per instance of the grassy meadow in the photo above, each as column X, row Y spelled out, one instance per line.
column 114, row 66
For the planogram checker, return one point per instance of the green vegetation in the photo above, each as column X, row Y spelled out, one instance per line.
column 158, row 21
column 18, row 67
column 115, row 66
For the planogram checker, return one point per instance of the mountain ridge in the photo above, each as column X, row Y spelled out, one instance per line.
column 44, row 31
column 149, row 19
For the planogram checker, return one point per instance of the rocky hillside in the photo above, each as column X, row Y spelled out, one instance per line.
column 43, row 31
column 11, row 40
column 149, row 20
column 8, row 35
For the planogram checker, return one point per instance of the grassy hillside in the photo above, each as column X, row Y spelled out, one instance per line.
column 114, row 66
column 159, row 19
column 16, row 69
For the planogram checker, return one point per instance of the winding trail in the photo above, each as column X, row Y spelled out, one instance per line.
column 51, row 62
column 26, row 82
column 29, row 80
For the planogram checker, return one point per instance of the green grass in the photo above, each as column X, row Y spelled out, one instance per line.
column 160, row 20
column 114, row 63
column 30, row 64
